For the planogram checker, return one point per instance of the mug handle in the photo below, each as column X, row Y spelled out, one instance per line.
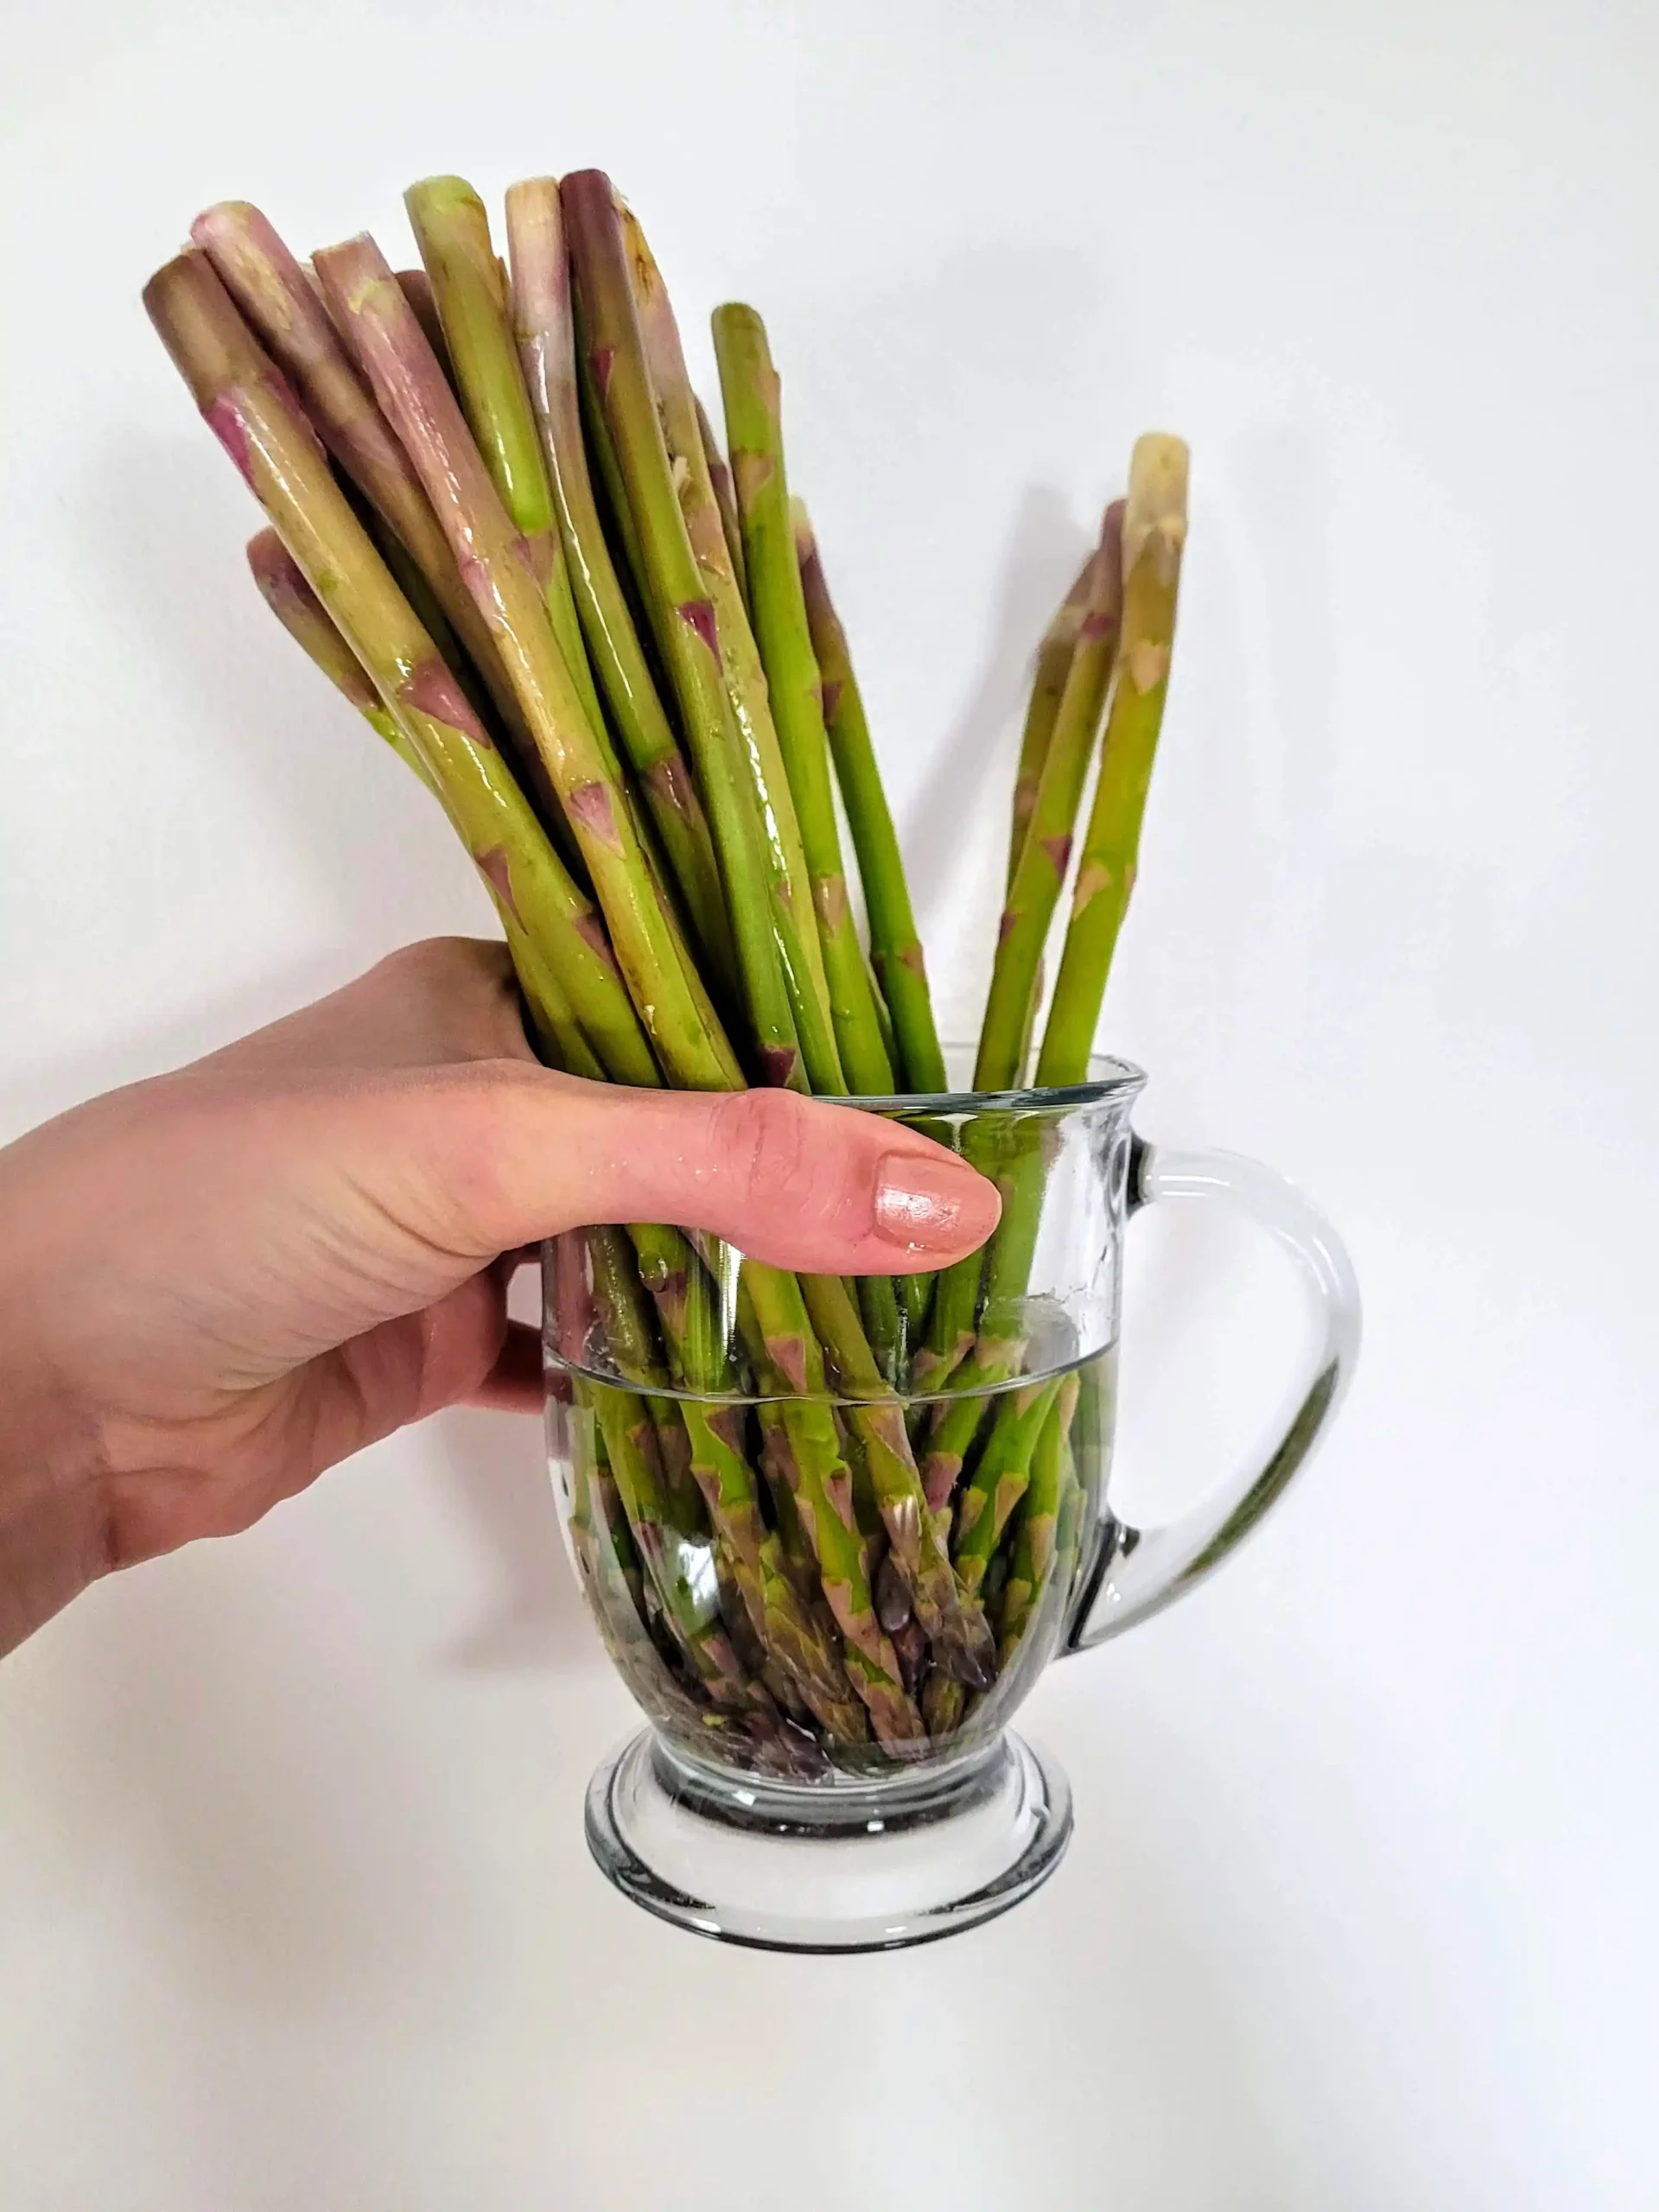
column 1137, row 1571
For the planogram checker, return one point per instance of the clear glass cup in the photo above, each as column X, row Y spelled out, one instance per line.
column 831, row 1533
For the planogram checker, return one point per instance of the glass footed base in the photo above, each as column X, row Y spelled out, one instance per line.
column 849, row 1866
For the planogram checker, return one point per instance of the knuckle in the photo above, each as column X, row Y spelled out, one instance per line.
column 466, row 993
column 761, row 1145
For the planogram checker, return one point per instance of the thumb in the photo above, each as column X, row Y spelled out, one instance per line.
column 795, row 1182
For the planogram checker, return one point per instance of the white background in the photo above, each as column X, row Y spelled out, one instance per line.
column 295, row 1910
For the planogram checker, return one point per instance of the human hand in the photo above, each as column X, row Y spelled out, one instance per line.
column 217, row 1283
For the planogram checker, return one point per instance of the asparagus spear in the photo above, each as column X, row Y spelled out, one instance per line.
column 895, row 946
column 628, row 255
column 754, row 437
column 651, row 952
column 682, row 616
column 417, row 288
column 1033, row 1547
column 1155, row 531
column 1037, row 880
column 453, row 232
column 303, row 614
column 998, row 1481
column 250, row 408
column 282, row 308
column 1152, row 533
column 720, row 476
column 540, row 300
column 1048, row 688
column 1004, row 1036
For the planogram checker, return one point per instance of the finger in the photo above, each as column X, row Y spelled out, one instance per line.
column 514, row 1384
column 795, row 1182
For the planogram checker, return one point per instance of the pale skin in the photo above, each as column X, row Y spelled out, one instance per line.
column 216, row 1284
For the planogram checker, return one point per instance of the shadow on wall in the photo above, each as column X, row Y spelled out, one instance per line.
column 980, row 751
column 533, row 1616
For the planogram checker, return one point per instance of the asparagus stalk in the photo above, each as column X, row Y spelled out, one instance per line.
column 416, row 287
column 306, row 619
column 792, row 676
column 1048, row 688
column 895, row 945
column 1004, row 1037
column 999, row 1480
column 453, row 232
column 754, row 437
column 1035, row 1545
column 1155, row 531
column 682, row 615
column 379, row 324
column 1037, row 880
column 792, row 916
column 249, row 406
column 282, row 308
column 994, row 1358
column 720, row 476
column 541, row 299
column 1152, row 533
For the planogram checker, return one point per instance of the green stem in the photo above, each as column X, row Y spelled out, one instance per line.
column 1155, row 531
column 754, row 439
column 453, row 232
column 542, row 324
column 1048, row 688
column 1038, row 878
column 682, row 615
column 895, row 945
column 745, row 678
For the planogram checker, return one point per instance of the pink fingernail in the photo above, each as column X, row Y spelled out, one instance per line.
column 926, row 1201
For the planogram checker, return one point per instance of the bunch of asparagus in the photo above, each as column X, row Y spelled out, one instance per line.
column 502, row 524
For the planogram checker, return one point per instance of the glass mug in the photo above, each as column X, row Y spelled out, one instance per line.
column 831, row 1533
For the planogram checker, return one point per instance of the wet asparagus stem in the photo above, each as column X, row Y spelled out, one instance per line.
column 543, row 326
column 418, row 290
column 754, row 436
column 754, row 439
column 720, row 476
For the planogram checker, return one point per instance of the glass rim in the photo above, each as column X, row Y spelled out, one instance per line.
column 1109, row 1077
